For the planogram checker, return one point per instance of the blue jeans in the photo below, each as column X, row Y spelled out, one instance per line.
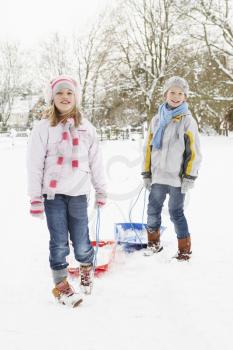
column 175, row 205
column 67, row 216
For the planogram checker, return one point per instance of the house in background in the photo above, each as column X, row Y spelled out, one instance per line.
column 20, row 111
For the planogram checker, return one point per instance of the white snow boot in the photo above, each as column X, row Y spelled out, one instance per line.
column 86, row 277
column 64, row 294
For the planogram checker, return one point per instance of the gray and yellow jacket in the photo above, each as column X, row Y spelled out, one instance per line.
column 180, row 154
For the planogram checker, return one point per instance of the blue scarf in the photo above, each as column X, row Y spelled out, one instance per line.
column 165, row 116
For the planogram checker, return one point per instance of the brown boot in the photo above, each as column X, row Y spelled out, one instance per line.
column 153, row 245
column 184, row 249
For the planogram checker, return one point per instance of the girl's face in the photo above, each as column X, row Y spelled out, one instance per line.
column 175, row 96
column 64, row 100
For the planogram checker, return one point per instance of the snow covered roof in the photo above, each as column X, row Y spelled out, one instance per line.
column 23, row 105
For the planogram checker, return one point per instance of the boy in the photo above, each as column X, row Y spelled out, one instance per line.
column 170, row 166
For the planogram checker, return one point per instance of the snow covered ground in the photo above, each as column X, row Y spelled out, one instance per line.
column 141, row 303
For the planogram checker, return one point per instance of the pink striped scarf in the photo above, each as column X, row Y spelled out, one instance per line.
column 67, row 149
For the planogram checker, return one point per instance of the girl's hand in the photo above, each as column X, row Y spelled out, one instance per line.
column 37, row 207
column 100, row 199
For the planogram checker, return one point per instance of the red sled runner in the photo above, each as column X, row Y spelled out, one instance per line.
column 105, row 253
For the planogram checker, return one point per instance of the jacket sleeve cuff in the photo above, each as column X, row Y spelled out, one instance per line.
column 189, row 177
column 146, row 174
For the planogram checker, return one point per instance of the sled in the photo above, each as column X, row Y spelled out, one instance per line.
column 105, row 255
column 132, row 236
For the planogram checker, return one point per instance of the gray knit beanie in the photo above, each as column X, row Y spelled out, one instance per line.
column 176, row 81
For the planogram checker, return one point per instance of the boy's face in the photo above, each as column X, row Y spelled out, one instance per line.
column 175, row 96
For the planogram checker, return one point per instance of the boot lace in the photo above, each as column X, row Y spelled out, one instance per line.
column 85, row 274
column 65, row 288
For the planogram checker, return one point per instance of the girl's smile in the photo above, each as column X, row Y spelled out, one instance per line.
column 64, row 100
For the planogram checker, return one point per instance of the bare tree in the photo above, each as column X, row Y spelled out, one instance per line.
column 90, row 54
column 147, row 42
column 54, row 57
column 214, row 18
column 11, row 69
column 147, row 35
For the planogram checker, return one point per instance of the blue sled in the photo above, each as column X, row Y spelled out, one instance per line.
column 132, row 236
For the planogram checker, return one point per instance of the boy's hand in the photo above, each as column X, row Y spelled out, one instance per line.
column 147, row 183
column 187, row 184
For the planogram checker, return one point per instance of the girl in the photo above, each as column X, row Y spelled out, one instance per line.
column 64, row 157
column 171, row 161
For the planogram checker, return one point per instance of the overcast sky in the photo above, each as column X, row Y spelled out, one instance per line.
column 28, row 21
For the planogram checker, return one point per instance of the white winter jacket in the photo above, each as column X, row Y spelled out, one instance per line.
column 180, row 155
column 42, row 157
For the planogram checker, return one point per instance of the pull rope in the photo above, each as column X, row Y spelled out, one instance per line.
column 97, row 233
column 144, row 204
column 130, row 212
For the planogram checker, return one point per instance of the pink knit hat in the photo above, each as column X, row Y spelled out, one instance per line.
column 62, row 82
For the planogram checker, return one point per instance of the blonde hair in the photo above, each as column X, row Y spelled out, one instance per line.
column 55, row 117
